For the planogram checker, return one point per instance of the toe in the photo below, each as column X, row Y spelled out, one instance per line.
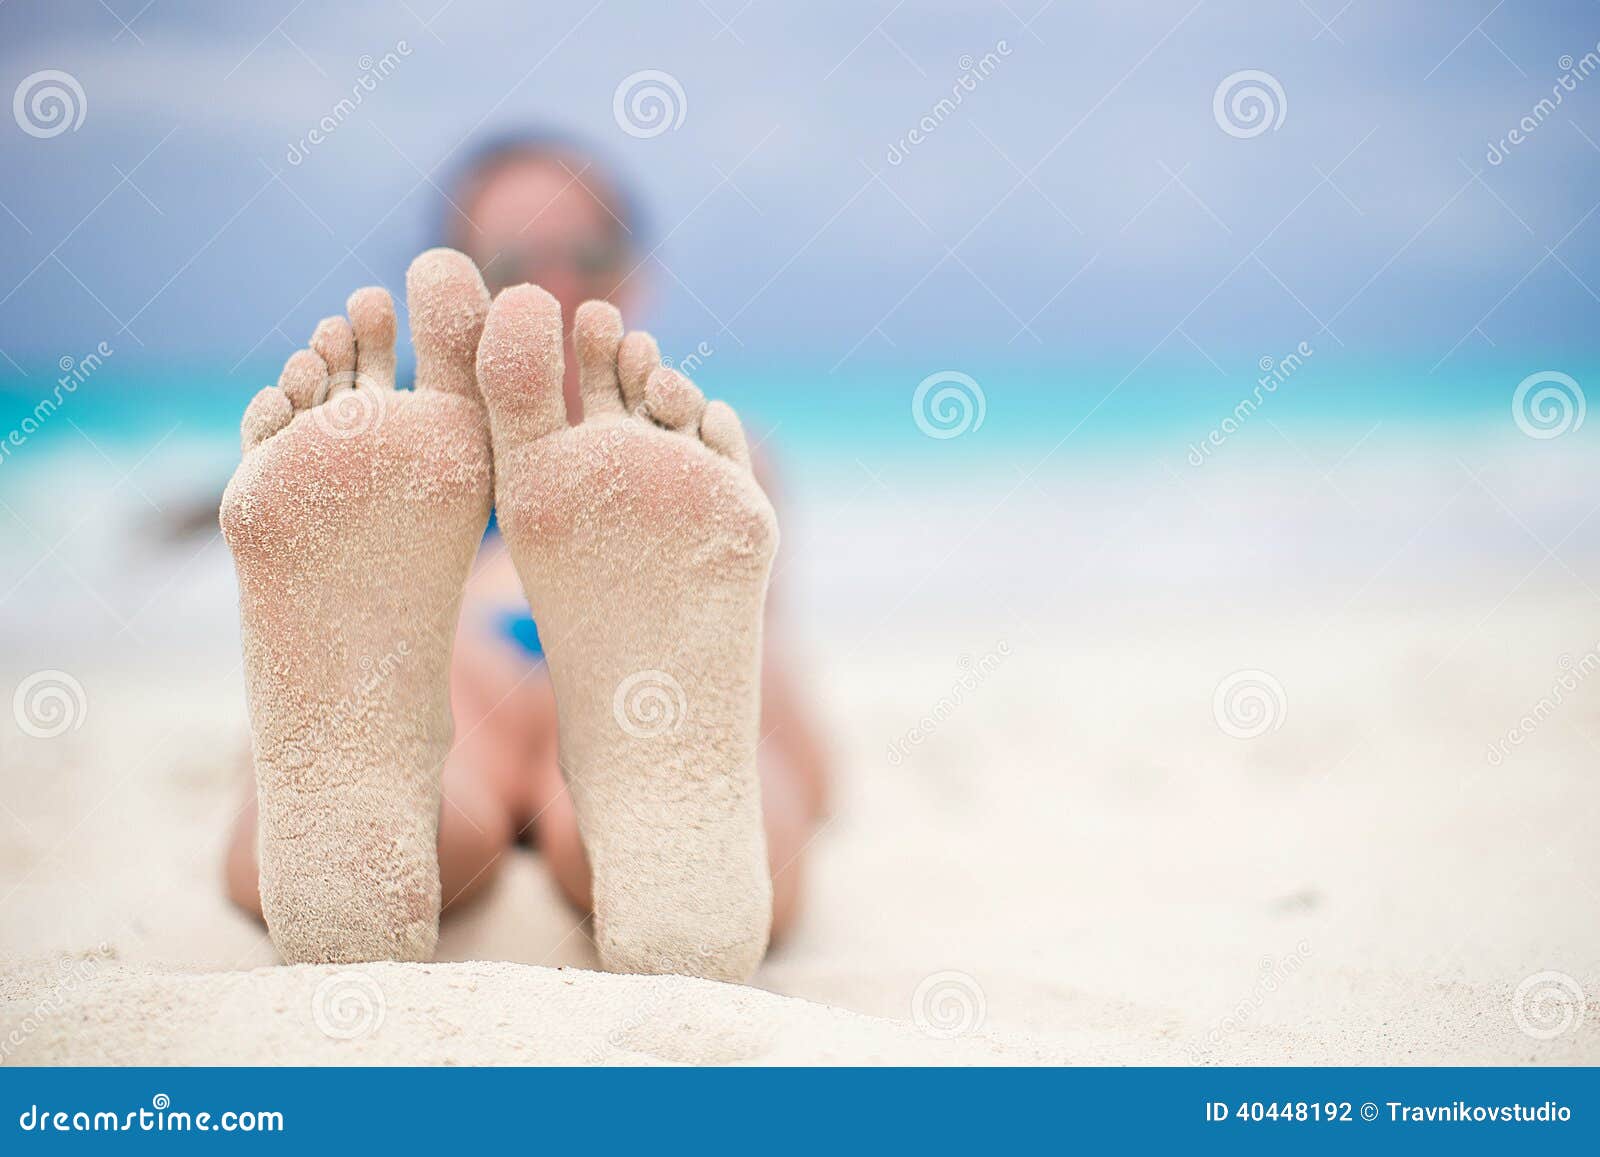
column 674, row 401
column 637, row 359
column 520, row 365
column 304, row 380
column 335, row 342
column 268, row 412
column 596, row 334
column 721, row 430
column 371, row 313
column 447, row 301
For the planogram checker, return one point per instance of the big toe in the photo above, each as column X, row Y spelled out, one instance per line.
column 448, row 303
column 520, row 365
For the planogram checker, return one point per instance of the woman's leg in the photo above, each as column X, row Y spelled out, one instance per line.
column 475, row 829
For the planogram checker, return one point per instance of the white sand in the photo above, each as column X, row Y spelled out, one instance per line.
column 463, row 1014
column 1114, row 879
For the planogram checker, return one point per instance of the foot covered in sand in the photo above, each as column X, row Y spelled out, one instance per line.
column 644, row 544
column 353, row 520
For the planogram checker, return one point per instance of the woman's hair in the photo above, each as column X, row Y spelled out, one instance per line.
column 489, row 156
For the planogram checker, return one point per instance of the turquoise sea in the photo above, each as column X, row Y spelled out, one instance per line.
column 1011, row 487
column 1005, row 411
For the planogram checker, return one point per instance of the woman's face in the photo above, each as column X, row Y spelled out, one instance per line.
column 543, row 219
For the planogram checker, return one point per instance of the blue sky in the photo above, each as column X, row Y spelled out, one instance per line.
column 1083, row 204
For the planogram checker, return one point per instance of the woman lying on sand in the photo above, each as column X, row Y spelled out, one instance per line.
column 665, row 766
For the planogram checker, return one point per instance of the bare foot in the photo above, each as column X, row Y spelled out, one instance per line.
column 353, row 519
column 644, row 544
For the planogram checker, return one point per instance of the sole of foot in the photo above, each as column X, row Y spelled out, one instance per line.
column 644, row 545
column 353, row 519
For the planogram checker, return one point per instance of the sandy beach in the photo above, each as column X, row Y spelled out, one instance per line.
column 1046, row 848
column 1185, row 506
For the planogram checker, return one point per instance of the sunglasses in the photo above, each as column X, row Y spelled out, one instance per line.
column 588, row 261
